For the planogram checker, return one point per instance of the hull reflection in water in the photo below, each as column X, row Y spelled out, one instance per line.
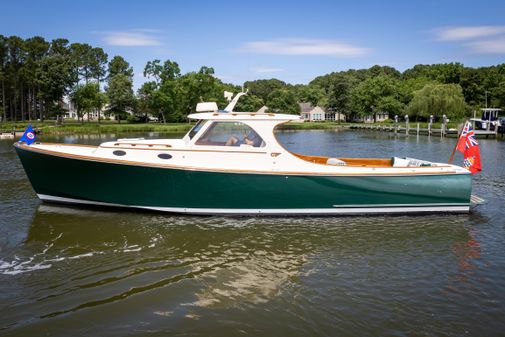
column 96, row 263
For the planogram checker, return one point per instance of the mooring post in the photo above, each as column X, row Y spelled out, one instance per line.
column 417, row 129
column 396, row 124
column 444, row 125
column 430, row 124
column 407, row 124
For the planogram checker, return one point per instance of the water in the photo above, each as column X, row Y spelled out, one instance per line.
column 75, row 271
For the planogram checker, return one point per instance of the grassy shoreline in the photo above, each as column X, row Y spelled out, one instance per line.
column 96, row 128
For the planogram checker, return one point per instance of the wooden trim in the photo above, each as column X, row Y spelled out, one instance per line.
column 65, row 144
column 142, row 144
column 173, row 149
column 360, row 162
column 192, row 168
column 150, row 149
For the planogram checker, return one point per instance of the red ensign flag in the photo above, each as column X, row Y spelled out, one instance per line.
column 468, row 145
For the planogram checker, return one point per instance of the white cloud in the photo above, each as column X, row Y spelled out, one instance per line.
column 467, row 32
column 263, row 70
column 131, row 38
column 304, row 47
column 476, row 39
column 496, row 46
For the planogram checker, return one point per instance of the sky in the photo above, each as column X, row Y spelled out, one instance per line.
column 294, row 41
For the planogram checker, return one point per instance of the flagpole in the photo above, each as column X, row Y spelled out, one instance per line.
column 456, row 146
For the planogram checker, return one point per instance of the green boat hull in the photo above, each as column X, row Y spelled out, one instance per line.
column 63, row 179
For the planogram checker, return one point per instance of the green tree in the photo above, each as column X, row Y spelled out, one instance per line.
column 55, row 76
column 283, row 101
column 15, row 60
column 384, row 71
column 443, row 73
column 88, row 98
column 499, row 95
column 249, row 103
column 263, row 88
column 376, row 94
column 3, row 61
column 168, row 96
column 118, row 65
column 437, row 100
column 120, row 96
column 82, row 58
column 36, row 49
column 339, row 95
column 195, row 87
column 409, row 86
column 98, row 64
column 310, row 93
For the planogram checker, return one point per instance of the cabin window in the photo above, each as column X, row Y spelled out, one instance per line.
column 230, row 134
column 119, row 153
column 164, row 156
column 194, row 130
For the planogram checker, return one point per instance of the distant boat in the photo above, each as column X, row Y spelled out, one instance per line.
column 490, row 118
column 231, row 163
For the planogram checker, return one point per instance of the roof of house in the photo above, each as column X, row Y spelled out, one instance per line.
column 305, row 107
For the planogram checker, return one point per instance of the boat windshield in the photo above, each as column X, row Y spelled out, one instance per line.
column 194, row 130
column 230, row 134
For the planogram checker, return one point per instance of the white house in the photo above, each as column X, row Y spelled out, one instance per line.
column 71, row 111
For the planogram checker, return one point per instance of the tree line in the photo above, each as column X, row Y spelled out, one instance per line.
column 36, row 75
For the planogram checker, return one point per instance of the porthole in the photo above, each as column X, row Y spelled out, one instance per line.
column 119, row 153
column 164, row 156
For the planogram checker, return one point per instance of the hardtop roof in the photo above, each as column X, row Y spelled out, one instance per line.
column 249, row 116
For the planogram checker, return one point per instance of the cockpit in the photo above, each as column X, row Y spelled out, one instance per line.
column 226, row 133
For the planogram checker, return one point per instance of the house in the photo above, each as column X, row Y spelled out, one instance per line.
column 71, row 111
column 317, row 113
column 379, row 117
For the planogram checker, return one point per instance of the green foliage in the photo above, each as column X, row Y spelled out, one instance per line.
column 443, row 73
column 438, row 99
column 88, row 98
column 250, row 103
column 310, row 93
column 118, row 65
column 36, row 75
column 409, row 86
column 120, row 95
column 377, row 94
column 263, row 88
column 283, row 101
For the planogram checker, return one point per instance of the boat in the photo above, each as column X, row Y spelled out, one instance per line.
column 490, row 118
column 6, row 135
column 232, row 163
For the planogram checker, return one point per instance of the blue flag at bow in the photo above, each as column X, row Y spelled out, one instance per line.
column 29, row 136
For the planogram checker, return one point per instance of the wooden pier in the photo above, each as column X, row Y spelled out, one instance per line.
column 417, row 130
column 407, row 130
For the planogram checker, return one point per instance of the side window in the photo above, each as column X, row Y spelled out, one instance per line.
column 230, row 134
column 195, row 129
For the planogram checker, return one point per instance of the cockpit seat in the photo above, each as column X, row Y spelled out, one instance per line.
column 335, row 161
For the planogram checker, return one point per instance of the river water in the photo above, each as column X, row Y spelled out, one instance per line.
column 76, row 271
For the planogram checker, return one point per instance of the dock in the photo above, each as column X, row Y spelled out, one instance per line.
column 407, row 130
column 4, row 134
column 417, row 130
